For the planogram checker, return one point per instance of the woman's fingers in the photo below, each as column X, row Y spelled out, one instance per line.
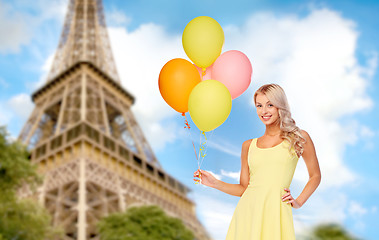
column 288, row 197
column 197, row 178
column 198, row 172
column 285, row 195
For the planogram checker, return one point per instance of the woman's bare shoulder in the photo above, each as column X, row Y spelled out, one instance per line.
column 247, row 143
column 305, row 134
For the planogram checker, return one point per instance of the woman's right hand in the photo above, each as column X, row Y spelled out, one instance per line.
column 207, row 178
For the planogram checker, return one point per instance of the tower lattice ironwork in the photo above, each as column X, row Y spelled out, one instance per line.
column 85, row 140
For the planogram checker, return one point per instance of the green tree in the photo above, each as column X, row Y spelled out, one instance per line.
column 143, row 223
column 15, row 168
column 331, row 231
column 20, row 218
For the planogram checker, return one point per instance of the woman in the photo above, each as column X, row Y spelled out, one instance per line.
column 268, row 163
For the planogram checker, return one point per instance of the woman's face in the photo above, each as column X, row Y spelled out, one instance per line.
column 266, row 111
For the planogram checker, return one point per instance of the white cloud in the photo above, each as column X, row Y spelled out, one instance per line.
column 45, row 69
column 49, row 9
column 366, row 135
column 3, row 83
column 21, row 105
column 356, row 209
column 214, row 214
column 366, row 132
column 17, row 107
column 225, row 146
column 115, row 18
column 374, row 209
column 139, row 56
column 234, row 175
column 19, row 26
column 14, row 29
column 217, row 176
column 5, row 114
column 159, row 134
column 318, row 207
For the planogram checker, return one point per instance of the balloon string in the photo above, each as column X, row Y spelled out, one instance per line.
column 198, row 163
column 188, row 127
column 194, row 148
column 202, row 146
column 206, row 148
column 202, row 150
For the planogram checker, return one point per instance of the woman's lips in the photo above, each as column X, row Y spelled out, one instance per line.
column 266, row 118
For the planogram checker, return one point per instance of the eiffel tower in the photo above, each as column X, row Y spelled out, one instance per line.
column 85, row 140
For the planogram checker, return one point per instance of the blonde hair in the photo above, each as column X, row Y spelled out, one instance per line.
column 288, row 127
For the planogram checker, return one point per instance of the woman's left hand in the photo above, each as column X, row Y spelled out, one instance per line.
column 289, row 197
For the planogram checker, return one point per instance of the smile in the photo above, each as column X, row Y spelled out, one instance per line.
column 266, row 117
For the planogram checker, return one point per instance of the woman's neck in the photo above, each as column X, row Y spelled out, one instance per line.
column 272, row 130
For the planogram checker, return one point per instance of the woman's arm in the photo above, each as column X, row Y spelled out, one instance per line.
column 310, row 159
column 237, row 189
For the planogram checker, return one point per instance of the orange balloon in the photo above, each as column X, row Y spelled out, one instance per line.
column 176, row 80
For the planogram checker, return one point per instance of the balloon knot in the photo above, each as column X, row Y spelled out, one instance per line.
column 204, row 70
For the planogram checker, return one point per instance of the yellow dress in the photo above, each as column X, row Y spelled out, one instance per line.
column 260, row 213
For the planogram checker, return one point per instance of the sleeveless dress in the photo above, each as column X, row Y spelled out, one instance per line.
column 260, row 213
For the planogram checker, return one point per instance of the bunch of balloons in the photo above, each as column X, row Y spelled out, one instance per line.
column 207, row 87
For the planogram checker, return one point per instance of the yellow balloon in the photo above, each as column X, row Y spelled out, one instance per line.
column 209, row 104
column 202, row 40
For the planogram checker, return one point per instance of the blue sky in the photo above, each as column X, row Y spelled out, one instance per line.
column 323, row 53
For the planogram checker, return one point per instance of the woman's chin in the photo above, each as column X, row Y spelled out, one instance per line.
column 267, row 123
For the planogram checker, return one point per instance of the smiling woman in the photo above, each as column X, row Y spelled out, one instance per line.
column 274, row 111
column 268, row 164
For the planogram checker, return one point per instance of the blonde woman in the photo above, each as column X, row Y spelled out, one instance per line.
column 264, row 211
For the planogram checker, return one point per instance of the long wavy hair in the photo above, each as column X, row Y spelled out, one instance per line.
column 288, row 127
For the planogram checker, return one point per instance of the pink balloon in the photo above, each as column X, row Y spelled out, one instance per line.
column 234, row 70
column 208, row 72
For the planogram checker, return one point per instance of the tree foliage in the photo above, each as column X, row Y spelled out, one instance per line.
column 15, row 168
column 20, row 218
column 331, row 231
column 143, row 223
